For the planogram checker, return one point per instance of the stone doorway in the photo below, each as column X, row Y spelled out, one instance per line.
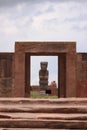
column 61, row 72
column 66, row 51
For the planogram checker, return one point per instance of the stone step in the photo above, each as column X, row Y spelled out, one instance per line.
column 64, row 101
column 43, row 114
column 40, row 123
column 43, row 109
column 35, row 129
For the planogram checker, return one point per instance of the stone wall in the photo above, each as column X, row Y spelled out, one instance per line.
column 82, row 75
column 6, row 74
column 54, row 90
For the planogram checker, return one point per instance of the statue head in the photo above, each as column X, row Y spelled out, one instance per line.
column 44, row 65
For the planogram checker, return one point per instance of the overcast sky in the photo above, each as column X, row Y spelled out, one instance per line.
column 43, row 20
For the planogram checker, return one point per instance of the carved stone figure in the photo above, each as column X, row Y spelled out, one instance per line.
column 43, row 76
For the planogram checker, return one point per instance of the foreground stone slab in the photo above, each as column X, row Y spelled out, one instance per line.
column 35, row 129
column 30, row 100
column 40, row 108
column 52, row 116
column 54, row 124
column 31, row 129
column 26, row 129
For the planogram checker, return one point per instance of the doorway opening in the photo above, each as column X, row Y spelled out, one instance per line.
column 60, row 72
column 52, row 89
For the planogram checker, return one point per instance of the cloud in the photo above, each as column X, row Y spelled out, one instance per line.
column 55, row 20
column 8, row 3
column 48, row 20
column 11, row 3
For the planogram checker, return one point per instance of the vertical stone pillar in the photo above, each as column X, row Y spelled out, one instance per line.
column 19, row 79
column 61, row 75
column 71, row 74
column 27, row 75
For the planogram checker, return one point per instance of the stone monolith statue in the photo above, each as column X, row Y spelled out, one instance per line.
column 43, row 76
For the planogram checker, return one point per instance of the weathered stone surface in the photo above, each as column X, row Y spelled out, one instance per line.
column 46, row 48
column 27, row 129
column 6, row 74
column 43, row 76
column 81, row 75
column 23, row 113
column 54, row 124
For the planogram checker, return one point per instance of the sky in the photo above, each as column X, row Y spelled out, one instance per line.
column 43, row 20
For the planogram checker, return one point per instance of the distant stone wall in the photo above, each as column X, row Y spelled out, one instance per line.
column 6, row 74
column 54, row 90
column 82, row 75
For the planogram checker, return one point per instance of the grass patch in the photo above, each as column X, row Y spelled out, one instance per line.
column 35, row 94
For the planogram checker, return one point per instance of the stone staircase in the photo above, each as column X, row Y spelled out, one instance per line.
column 43, row 114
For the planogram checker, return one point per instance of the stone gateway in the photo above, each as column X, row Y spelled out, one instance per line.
column 15, row 68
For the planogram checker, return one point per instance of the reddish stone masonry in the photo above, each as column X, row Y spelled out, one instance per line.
column 14, row 70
